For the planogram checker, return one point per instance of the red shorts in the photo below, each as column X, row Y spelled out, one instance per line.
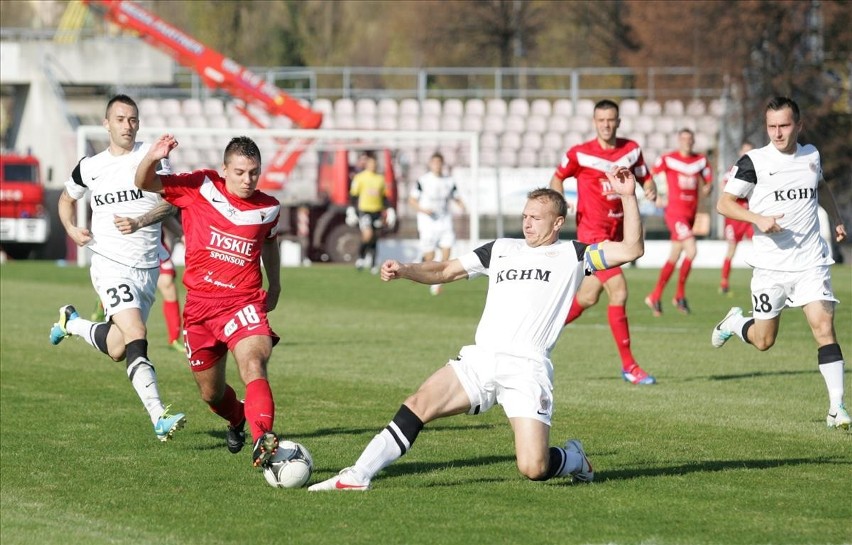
column 591, row 234
column 167, row 267
column 736, row 231
column 680, row 227
column 212, row 326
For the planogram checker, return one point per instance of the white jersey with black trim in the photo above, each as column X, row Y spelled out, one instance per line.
column 774, row 184
column 529, row 293
column 434, row 193
column 110, row 180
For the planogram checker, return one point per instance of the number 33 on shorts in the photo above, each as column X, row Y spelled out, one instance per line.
column 245, row 317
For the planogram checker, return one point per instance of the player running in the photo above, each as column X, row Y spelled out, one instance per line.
column 124, row 269
column 688, row 175
column 228, row 228
column 531, row 283
column 784, row 185
column 600, row 217
column 368, row 199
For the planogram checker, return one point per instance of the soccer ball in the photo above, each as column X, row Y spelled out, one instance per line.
column 290, row 467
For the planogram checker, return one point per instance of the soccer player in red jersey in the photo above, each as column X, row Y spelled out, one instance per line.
column 228, row 228
column 735, row 232
column 600, row 217
column 688, row 174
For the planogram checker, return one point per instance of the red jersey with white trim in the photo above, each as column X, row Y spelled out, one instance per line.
column 223, row 234
column 600, row 215
column 684, row 175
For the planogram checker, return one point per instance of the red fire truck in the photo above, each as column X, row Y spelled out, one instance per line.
column 24, row 223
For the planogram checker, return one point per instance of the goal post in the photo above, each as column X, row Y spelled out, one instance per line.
column 204, row 147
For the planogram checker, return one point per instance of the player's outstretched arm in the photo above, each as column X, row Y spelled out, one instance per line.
column 146, row 172
column 432, row 272
column 157, row 214
column 728, row 207
column 632, row 245
column 825, row 198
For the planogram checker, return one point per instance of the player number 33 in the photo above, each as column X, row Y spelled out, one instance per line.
column 244, row 317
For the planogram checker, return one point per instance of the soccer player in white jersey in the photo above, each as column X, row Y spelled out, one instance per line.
column 431, row 198
column 531, row 284
column 124, row 268
column 784, row 184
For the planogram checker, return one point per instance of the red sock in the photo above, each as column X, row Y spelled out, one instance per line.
column 260, row 407
column 171, row 311
column 665, row 274
column 230, row 408
column 726, row 272
column 574, row 312
column 621, row 333
column 685, row 267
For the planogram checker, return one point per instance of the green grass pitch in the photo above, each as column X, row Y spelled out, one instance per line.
column 730, row 447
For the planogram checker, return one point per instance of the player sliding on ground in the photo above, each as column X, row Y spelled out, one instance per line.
column 531, row 285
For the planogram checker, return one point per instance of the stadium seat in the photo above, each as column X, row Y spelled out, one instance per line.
column 540, row 106
column 510, row 140
column 528, row 158
column 643, row 124
column 451, row 122
column 409, row 123
column 707, row 124
column 323, row 105
column 553, row 141
column 537, row 123
column 572, row 139
column 496, row 107
column 557, row 123
column 169, row 107
column 695, row 108
column 387, row 106
column 488, row 158
column 656, row 142
column 519, row 106
column 365, row 107
column 515, row 123
column 629, row 107
column 387, row 122
column 651, row 107
column 366, row 122
column 581, row 124
column 508, row 158
column 191, row 107
column 344, row 107
column 213, row 106
column 472, row 123
column 176, row 121
column 494, row 123
column 281, row 122
column 430, row 122
column 531, row 140
column 489, row 141
column 626, row 126
column 704, row 142
column 196, row 121
column 717, row 108
column 155, row 122
column 673, row 108
column 666, row 124
column 474, row 106
column 431, row 106
column 585, row 108
column 345, row 121
column 409, row 106
column 454, row 107
column 549, row 158
column 563, row 107
column 148, row 107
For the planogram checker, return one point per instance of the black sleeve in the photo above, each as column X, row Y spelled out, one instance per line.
column 744, row 170
column 484, row 254
column 580, row 248
column 76, row 176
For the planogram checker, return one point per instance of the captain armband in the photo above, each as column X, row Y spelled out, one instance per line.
column 595, row 258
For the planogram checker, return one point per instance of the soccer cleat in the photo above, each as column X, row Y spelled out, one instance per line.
column 236, row 437
column 637, row 375
column 168, row 424
column 722, row 332
column 655, row 306
column 177, row 346
column 264, row 449
column 840, row 418
column 681, row 305
column 59, row 330
column 344, row 481
column 359, row 264
column 724, row 289
column 586, row 473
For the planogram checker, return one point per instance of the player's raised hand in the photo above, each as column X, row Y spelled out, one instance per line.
column 840, row 232
column 623, row 181
column 390, row 270
column 162, row 146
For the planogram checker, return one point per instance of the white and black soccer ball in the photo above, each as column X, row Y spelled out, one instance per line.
column 290, row 467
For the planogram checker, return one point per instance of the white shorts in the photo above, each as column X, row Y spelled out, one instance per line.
column 121, row 287
column 773, row 291
column 523, row 386
column 435, row 233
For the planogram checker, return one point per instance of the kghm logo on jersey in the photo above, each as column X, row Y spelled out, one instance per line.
column 230, row 248
column 795, row 194
column 117, row 197
column 523, row 274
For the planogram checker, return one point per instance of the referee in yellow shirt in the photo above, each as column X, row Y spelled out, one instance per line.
column 368, row 198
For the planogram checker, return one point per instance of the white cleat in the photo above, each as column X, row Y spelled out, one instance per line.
column 723, row 331
column 840, row 418
column 345, row 480
column 586, row 473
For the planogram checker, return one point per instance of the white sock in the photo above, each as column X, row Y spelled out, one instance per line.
column 381, row 452
column 144, row 380
column 737, row 327
column 82, row 328
column 832, row 373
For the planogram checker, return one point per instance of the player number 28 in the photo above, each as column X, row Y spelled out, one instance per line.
column 761, row 302
column 119, row 294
